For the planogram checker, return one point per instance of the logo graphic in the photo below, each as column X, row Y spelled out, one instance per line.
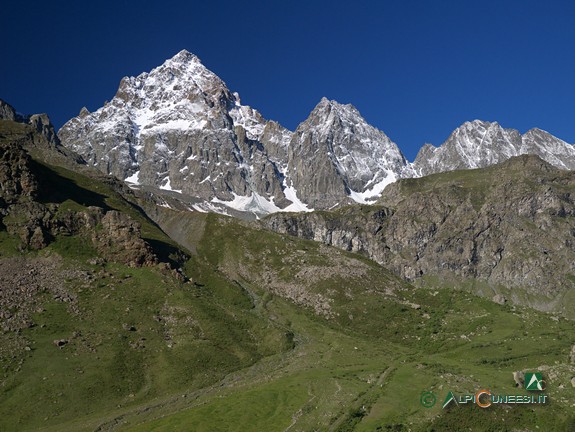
column 534, row 381
column 427, row 399
column 486, row 402
column 448, row 399
column 485, row 398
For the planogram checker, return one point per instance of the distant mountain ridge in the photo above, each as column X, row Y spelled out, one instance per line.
column 479, row 144
column 180, row 129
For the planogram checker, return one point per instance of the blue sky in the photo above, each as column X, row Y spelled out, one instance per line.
column 414, row 69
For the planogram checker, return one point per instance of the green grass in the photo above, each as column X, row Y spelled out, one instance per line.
column 269, row 406
column 348, row 369
column 73, row 246
column 8, row 245
column 376, row 368
column 203, row 335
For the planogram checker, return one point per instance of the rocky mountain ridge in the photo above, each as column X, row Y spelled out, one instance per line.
column 180, row 129
column 505, row 232
column 27, row 185
column 336, row 142
column 39, row 123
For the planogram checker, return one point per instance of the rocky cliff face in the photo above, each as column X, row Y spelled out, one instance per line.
column 479, row 144
column 15, row 176
column 506, row 230
column 40, row 123
column 7, row 112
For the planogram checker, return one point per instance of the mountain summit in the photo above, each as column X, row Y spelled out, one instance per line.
column 335, row 155
column 180, row 129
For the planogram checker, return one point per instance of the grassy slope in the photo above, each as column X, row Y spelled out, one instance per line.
column 231, row 367
column 185, row 336
column 368, row 373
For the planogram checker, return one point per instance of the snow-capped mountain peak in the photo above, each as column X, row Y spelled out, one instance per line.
column 184, row 56
column 327, row 112
column 179, row 128
column 477, row 144
column 356, row 159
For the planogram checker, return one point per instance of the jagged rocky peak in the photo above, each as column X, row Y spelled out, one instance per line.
column 550, row 148
column 474, row 144
column 179, row 128
column 484, row 130
column 327, row 111
column 336, row 157
column 486, row 143
column 328, row 114
column 248, row 118
column 181, row 93
column 40, row 122
column 478, row 144
column 184, row 67
column 7, row 112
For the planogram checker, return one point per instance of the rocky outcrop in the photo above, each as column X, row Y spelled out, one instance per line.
column 16, row 177
column 519, row 378
column 115, row 235
column 23, row 214
column 120, row 240
column 7, row 112
column 44, row 127
column 510, row 227
column 353, row 228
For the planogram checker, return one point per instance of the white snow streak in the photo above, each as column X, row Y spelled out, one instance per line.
column 370, row 195
column 134, row 178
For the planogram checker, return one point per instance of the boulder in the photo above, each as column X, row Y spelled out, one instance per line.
column 519, row 378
